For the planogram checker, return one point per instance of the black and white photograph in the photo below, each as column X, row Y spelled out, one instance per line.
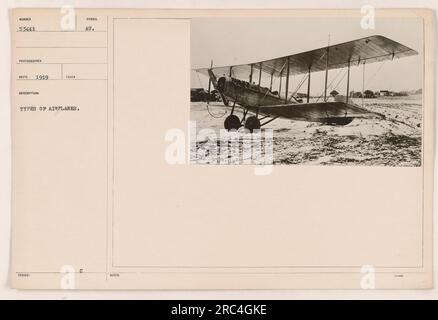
column 330, row 91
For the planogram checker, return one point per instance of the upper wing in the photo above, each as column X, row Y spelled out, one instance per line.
column 370, row 49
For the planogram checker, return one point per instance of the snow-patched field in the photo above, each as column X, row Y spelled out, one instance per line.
column 395, row 141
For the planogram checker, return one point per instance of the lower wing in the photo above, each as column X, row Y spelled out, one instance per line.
column 319, row 112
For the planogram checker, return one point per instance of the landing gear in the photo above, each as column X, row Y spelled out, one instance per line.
column 232, row 122
column 252, row 123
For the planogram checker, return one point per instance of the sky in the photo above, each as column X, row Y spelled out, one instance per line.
column 230, row 41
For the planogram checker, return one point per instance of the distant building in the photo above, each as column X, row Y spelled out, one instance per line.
column 401, row 94
column 198, row 94
column 368, row 94
column 355, row 94
column 334, row 93
column 201, row 95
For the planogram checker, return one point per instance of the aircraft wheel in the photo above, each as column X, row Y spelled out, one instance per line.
column 232, row 122
column 252, row 123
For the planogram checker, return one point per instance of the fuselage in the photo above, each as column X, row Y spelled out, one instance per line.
column 247, row 94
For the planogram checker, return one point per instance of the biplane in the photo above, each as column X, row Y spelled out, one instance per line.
column 237, row 87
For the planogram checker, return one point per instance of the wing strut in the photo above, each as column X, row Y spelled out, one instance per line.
column 279, row 89
column 287, row 81
column 326, row 75
column 363, row 82
column 260, row 74
column 348, row 82
column 308, row 86
column 209, row 84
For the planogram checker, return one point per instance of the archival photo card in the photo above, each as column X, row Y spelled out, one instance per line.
column 222, row 149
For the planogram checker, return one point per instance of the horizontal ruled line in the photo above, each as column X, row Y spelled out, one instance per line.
column 61, row 63
column 60, row 80
column 60, row 31
column 58, row 47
